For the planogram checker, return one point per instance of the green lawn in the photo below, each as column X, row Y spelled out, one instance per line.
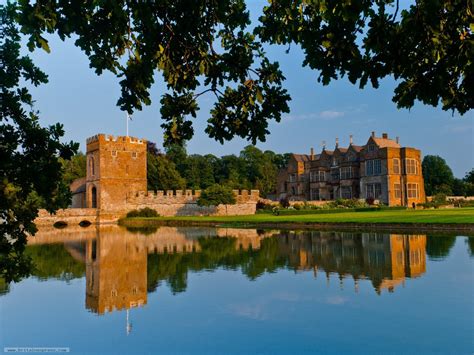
column 457, row 216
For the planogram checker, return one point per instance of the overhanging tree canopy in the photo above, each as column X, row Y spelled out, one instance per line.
column 206, row 46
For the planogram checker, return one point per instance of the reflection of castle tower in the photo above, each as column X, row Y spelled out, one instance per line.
column 116, row 273
column 115, row 165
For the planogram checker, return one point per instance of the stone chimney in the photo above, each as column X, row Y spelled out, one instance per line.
column 337, row 142
column 397, row 139
column 350, row 139
column 384, row 135
column 324, row 144
column 373, row 133
column 311, row 154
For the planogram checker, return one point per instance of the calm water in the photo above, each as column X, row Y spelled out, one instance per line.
column 194, row 290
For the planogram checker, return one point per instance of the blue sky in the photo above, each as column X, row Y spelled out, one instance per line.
column 86, row 104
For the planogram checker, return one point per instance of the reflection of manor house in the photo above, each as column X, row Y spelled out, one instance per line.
column 385, row 259
column 116, row 182
column 118, row 262
column 381, row 169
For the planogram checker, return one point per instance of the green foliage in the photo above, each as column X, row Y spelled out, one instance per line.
column 346, row 203
column 54, row 261
column 427, row 48
column 162, row 173
column 30, row 169
column 143, row 212
column 469, row 178
column 74, row 168
column 252, row 169
column 199, row 171
column 199, row 47
column 439, row 247
column 470, row 243
column 440, row 198
column 214, row 253
column 216, row 195
column 437, row 174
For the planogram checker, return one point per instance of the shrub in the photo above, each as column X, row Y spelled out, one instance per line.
column 298, row 206
column 346, row 203
column 370, row 201
column 439, row 199
column 216, row 195
column 143, row 212
column 464, row 203
column 262, row 205
column 284, row 202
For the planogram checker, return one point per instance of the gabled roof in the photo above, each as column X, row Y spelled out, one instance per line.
column 385, row 142
column 301, row 157
column 357, row 148
column 328, row 152
column 342, row 150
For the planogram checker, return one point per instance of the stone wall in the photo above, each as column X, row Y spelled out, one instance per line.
column 184, row 203
column 70, row 215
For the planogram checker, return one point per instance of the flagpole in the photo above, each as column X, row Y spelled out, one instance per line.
column 127, row 117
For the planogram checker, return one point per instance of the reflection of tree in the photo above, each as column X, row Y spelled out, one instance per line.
column 148, row 230
column 133, row 265
column 53, row 261
column 438, row 247
column 266, row 259
column 4, row 286
column 470, row 243
column 214, row 253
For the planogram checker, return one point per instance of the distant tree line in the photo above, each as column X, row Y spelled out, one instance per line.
column 251, row 169
column 439, row 178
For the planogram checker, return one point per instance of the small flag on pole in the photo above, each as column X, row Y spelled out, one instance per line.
column 128, row 118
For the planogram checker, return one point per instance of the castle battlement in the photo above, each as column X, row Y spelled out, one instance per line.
column 184, row 196
column 110, row 138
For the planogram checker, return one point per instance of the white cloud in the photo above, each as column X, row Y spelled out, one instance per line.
column 330, row 115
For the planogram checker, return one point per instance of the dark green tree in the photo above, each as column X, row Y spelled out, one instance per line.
column 427, row 48
column 469, row 183
column 260, row 169
column 208, row 47
column 177, row 154
column 199, row 47
column 469, row 177
column 199, row 171
column 74, row 168
column 161, row 172
column 459, row 187
column 438, row 175
column 216, row 195
column 30, row 169
column 231, row 171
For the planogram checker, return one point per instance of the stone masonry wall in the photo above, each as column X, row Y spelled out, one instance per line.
column 184, row 203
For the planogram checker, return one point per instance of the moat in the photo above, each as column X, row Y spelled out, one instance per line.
column 167, row 290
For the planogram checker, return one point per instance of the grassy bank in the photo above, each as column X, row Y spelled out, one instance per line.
column 460, row 217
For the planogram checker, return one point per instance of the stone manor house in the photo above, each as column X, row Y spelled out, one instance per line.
column 381, row 170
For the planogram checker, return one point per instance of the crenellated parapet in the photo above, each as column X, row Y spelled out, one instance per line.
column 184, row 196
column 110, row 138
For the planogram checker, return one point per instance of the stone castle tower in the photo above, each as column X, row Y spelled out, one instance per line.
column 115, row 166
